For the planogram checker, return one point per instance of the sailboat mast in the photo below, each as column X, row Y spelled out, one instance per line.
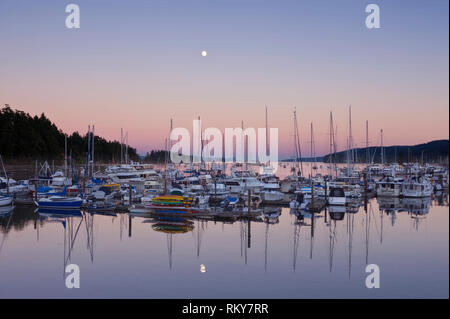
column 312, row 147
column 331, row 144
column 298, row 153
column 121, row 145
column 201, row 140
column 382, row 148
column 126, row 148
column 88, row 150
column 93, row 150
column 65, row 155
column 367, row 143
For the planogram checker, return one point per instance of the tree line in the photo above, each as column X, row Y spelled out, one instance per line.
column 26, row 137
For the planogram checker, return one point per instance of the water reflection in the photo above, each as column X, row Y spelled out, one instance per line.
column 341, row 239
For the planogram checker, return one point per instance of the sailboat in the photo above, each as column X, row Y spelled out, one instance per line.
column 60, row 202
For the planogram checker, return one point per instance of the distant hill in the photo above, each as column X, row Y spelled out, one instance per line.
column 25, row 137
column 435, row 151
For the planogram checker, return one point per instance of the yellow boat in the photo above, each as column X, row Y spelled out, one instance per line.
column 172, row 201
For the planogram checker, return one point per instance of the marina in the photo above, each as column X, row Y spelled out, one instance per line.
column 313, row 230
column 224, row 154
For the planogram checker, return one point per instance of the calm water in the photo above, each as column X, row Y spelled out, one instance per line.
column 125, row 256
column 284, row 260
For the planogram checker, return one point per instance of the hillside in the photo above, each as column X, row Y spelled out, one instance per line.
column 435, row 151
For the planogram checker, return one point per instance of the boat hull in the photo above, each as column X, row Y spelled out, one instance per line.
column 60, row 205
column 5, row 201
column 336, row 201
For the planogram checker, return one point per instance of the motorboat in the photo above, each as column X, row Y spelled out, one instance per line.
column 417, row 188
column 60, row 202
column 336, row 196
column 271, row 193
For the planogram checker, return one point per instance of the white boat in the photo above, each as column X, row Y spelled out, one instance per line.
column 217, row 191
column 271, row 193
column 389, row 187
column 5, row 200
column 336, row 196
column 233, row 186
column 417, row 188
column 58, row 179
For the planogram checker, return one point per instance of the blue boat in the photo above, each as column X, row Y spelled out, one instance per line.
column 60, row 202
column 230, row 201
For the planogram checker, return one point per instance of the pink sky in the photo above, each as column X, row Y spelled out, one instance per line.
column 133, row 68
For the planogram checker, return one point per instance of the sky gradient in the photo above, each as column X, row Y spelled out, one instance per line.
column 136, row 64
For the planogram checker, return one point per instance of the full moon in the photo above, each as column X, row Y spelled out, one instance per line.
column 204, row 53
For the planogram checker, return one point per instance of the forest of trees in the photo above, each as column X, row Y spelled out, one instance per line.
column 158, row 157
column 25, row 137
column 435, row 151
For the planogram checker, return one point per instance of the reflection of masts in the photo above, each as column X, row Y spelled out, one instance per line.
column 297, row 228
column 71, row 238
column 381, row 227
column 332, row 242
column 170, row 248
column 350, row 227
column 312, row 236
column 5, row 235
column 244, row 240
column 89, row 222
column 265, row 247
column 367, row 233
column 199, row 237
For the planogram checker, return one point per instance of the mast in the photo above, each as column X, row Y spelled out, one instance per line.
column 367, row 143
column 169, row 147
column 313, row 155
column 65, row 155
column 349, row 141
column 88, row 151
column 382, row 148
column 121, row 145
column 267, row 132
column 93, row 151
column 295, row 141
column 298, row 153
column 126, row 148
column 243, row 145
column 201, row 140
column 331, row 144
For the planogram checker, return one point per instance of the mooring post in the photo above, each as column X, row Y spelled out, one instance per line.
column 326, row 191
column 249, row 201
column 129, row 225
